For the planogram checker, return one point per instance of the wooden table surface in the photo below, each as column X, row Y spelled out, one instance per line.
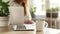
column 6, row 31
column 20, row 32
column 47, row 31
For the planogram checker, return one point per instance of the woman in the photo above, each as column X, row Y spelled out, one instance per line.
column 23, row 3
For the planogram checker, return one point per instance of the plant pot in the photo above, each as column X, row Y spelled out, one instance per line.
column 33, row 15
column 3, row 21
column 53, row 15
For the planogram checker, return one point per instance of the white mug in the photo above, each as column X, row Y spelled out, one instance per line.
column 41, row 25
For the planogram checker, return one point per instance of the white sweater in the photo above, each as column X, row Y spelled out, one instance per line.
column 28, row 17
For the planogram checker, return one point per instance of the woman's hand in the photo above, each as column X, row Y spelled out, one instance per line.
column 28, row 22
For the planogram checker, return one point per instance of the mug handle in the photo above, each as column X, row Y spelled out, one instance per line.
column 46, row 24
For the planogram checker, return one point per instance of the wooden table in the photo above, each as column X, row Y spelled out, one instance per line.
column 21, row 32
column 46, row 31
column 18, row 32
column 5, row 30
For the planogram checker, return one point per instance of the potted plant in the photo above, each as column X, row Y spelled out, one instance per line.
column 4, row 13
column 33, row 10
column 53, row 12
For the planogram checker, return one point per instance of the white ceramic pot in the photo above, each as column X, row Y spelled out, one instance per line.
column 3, row 21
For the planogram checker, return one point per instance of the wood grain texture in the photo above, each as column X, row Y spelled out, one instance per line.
column 4, row 30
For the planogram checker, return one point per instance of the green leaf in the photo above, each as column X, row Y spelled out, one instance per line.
column 4, row 10
column 0, row 1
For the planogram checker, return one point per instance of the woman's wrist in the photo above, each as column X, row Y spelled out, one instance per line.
column 28, row 21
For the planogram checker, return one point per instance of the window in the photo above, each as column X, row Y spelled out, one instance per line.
column 43, row 4
column 55, row 3
column 40, row 4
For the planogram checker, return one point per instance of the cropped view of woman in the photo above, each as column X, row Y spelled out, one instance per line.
column 23, row 3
